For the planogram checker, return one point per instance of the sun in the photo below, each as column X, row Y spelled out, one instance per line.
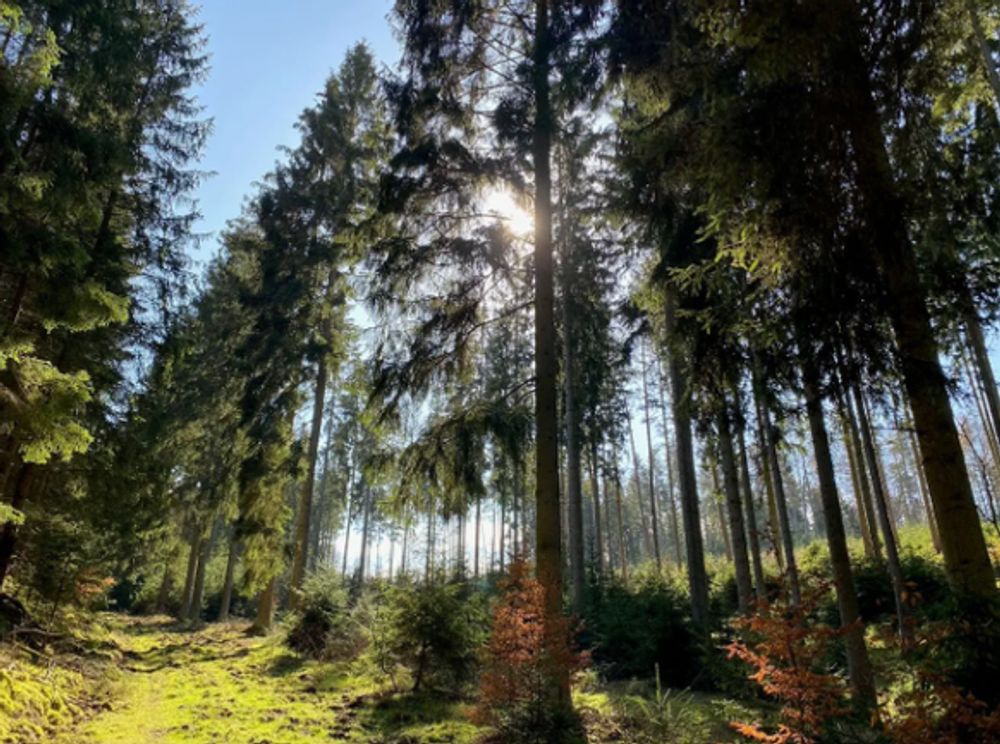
column 500, row 204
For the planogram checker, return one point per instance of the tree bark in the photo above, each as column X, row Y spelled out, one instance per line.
column 737, row 527
column 859, row 480
column 697, row 575
column 653, row 515
column 778, row 483
column 647, row 542
column 198, row 596
column 192, row 569
column 964, row 546
column 858, row 664
column 598, row 526
column 306, row 501
column 668, row 449
column 885, row 522
column 574, row 489
column 759, row 581
column 547, row 521
column 8, row 536
column 227, row 585
column 265, row 609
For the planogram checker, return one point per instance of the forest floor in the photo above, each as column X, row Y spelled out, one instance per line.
column 146, row 680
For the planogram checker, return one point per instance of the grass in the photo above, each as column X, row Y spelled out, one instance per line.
column 145, row 680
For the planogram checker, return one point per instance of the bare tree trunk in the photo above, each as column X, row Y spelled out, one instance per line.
column 668, row 449
column 653, row 512
column 719, row 497
column 574, row 490
column 622, row 547
column 348, row 499
column 964, row 546
column 227, row 585
column 192, row 568
column 647, row 541
column 774, row 466
column 859, row 481
column 697, row 575
column 885, row 522
column 755, row 556
column 165, row 586
column 924, row 495
column 198, row 596
column 306, row 501
column 598, row 527
column 858, row 664
column 863, row 477
column 365, row 534
column 265, row 609
column 737, row 529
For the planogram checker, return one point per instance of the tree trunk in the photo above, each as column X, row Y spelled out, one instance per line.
column 227, row 584
column 348, row 499
column 653, row 512
column 859, row 480
column 574, row 489
column 647, row 542
column 198, row 596
column 8, row 536
column 718, row 497
column 163, row 596
column 547, row 525
column 697, row 575
column 778, row 483
column 737, row 528
column 964, row 546
column 925, row 497
column 598, row 526
column 192, row 569
column 306, row 502
column 668, row 449
column 622, row 547
column 863, row 477
column 858, row 664
column 885, row 522
column 265, row 609
column 365, row 533
column 755, row 556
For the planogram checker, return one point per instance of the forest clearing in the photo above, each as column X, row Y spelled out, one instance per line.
column 500, row 371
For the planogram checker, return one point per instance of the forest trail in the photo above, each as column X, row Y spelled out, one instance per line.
column 218, row 685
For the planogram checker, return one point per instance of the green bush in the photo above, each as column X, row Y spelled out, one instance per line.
column 434, row 631
column 630, row 629
column 324, row 628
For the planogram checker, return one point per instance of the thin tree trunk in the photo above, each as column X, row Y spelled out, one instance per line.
column 755, row 556
column 227, row 585
column 165, row 586
column 348, row 498
column 924, row 495
column 863, row 477
column 598, row 527
column 475, row 559
column 198, row 596
column 365, row 534
column 265, row 609
column 737, row 528
column 858, row 664
column 647, row 542
column 622, row 547
column 653, row 515
column 964, row 546
column 858, row 477
column 668, row 449
column 697, row 575
column 777, row 481
column 574, row 489
column 306, row 501
column 719, row 497
column 885, row 522
column 192, row 569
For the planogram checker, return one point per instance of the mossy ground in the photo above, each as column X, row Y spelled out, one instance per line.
column 145, row 680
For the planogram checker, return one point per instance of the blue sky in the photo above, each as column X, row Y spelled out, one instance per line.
column 268, row 61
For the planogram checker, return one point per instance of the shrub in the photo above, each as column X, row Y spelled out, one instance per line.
column 786, row 646
column 523, row 654
column 668, row 716
column 324, row 628
column 434, row 631
column 631, row 629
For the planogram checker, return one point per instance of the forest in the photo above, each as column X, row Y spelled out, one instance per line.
column 595, row 371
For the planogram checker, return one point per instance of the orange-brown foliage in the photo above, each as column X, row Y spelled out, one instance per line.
column 523, row 652
column 784, row 647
